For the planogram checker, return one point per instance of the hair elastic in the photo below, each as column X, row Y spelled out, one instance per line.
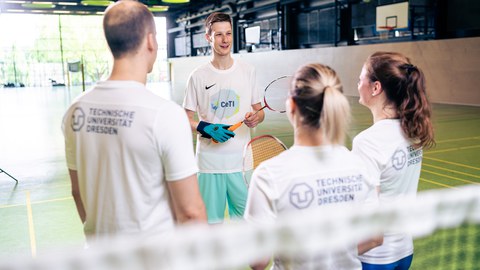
column 410, row 68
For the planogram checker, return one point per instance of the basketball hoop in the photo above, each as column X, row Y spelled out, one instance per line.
column 386, row 31
column 388, row 28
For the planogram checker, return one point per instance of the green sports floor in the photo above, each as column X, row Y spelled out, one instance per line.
column 38, row 214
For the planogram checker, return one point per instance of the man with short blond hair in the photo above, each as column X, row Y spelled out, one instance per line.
column 129, row 151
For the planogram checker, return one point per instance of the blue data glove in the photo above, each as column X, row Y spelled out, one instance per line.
column 217, row 132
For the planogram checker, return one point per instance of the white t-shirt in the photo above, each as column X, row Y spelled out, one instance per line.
column 395, row 165
column 222, row 97
column 304, row 178
column 125, row 142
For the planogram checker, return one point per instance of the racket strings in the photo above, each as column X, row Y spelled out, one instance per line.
column 263, row 149
column 277, row 93
column 258, row 150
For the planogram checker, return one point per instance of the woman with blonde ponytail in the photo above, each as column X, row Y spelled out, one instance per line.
column 394, row 91
column 318, row 161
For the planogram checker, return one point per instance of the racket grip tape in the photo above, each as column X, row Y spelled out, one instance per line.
column 237, row 125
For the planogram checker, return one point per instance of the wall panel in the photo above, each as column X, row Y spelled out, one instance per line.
column 451, row 67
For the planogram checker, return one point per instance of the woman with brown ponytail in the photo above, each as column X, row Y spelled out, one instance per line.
column 394, row 91
column 294, row 180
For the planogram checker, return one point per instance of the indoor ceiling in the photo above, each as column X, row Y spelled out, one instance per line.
column 95, row 7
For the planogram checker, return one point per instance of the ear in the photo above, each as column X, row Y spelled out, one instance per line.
column 291, row 105
column 150, row 41
column 377, row 88
column 207, row 37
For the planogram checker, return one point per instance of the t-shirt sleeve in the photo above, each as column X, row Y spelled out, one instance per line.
column 174, row 137
column 190, row 99
column 367, row 152
column 69, row 137
column 260, row 209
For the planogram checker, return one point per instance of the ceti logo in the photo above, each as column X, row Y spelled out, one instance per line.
column 225, row 104
column 301, row 195
column 78, row 119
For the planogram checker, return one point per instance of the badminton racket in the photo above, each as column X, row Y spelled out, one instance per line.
column 258, row 150
column 276, row 93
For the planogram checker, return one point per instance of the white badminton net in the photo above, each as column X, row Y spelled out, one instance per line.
column 233, row 245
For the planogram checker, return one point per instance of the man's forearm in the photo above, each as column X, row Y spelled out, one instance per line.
column 76, row 195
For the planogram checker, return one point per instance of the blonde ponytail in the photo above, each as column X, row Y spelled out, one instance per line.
column 335, row 116
column 318, row 94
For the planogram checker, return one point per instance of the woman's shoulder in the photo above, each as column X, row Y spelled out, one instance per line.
column 379, row 132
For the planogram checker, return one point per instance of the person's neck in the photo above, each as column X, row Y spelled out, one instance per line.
column 308, row 137
column 384, row 113
column 128, row 70
column 222, row 62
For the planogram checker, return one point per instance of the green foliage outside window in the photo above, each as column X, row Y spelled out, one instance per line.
column 35, row 49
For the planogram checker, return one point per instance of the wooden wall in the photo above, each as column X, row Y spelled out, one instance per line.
column 451, row 67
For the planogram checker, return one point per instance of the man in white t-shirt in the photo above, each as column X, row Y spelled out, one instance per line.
column 129, row 151
column 221, row 93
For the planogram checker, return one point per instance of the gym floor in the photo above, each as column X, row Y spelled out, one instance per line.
column 38, row 215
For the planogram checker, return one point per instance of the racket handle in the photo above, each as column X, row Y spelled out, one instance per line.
column 237, row 125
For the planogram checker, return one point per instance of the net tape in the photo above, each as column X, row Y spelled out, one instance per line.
column 236, row 244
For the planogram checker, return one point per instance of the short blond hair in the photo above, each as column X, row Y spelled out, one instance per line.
column 125, row 24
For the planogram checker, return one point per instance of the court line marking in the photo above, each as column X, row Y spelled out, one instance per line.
column 40, row 187
column 459, row 139
column 436, row 183
column 448, row 170
column 38, row 202
column 451, row 177
column 451, row 149
column 31, row 228
column 452, row 163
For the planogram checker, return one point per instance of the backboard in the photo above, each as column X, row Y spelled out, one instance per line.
column 394, row 16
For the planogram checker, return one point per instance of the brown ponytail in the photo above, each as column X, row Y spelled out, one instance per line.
column 404, row 86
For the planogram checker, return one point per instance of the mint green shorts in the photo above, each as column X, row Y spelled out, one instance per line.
column 220, row 189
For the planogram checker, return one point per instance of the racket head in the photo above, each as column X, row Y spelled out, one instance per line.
column 276, row 93
column 257, row 150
